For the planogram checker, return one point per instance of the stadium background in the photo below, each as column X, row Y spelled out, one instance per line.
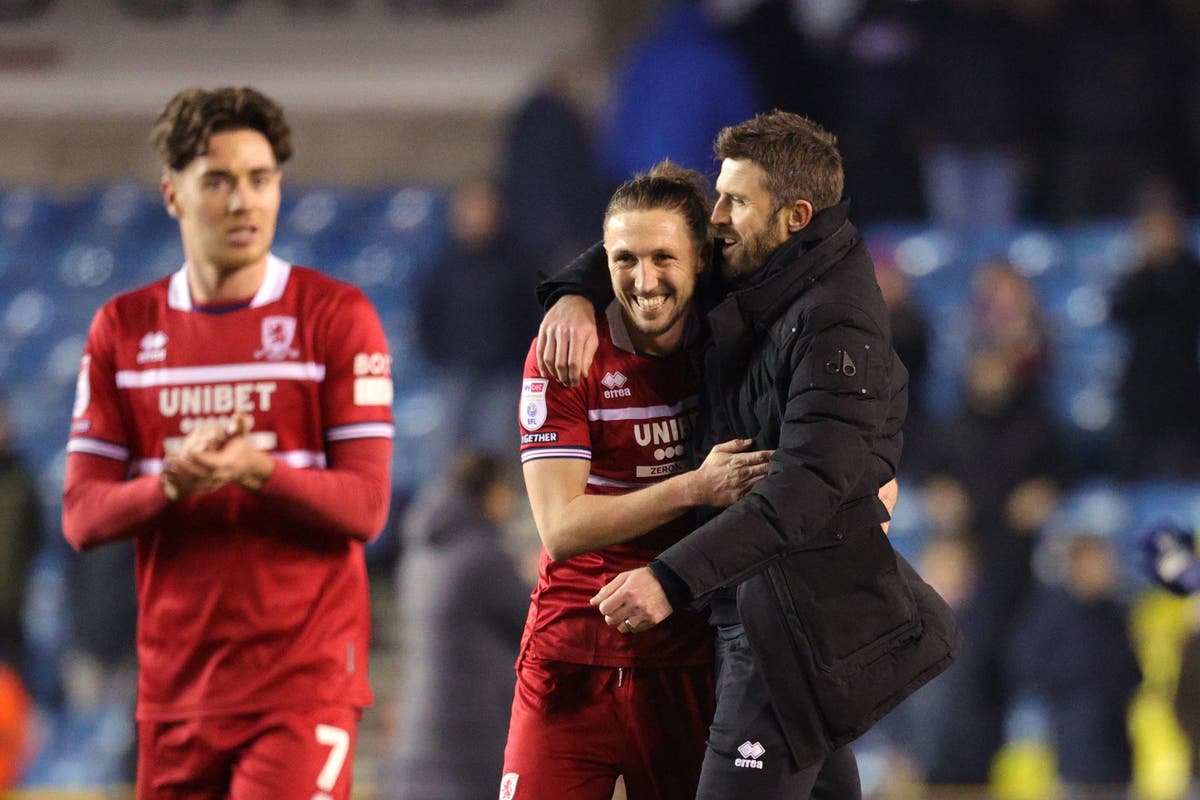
column 394, row 104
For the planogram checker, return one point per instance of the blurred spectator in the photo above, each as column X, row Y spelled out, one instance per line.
column 476, row 315
column 1002, row 449
column 1006, row 319
column 1158, row 305
column 877, row 111
column 16, row 720
column 1073, row 650
column 977, row 77
column 676, row 88
column 550, row 178
column 999, row 461
column 1187, row 701
column 1114, row 102
column 463, row 600
column 20, row 536
column 99, row 672
column 910, row 339
column 950, row 730
column 791, row 47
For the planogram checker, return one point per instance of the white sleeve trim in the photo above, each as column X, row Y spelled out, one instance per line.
column 535, row 453
column 97, row 447
column 361, row 430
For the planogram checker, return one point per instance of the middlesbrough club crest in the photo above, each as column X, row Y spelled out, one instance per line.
column 277, row 335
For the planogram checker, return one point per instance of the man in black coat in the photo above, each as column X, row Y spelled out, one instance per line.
column 821, row 627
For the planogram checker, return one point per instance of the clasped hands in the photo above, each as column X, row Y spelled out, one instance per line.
column 214, row 455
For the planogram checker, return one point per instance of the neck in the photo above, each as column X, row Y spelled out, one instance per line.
column 661, row 345
column 209, row 283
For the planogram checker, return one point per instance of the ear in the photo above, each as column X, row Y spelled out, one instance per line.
column 167, row 186
column 799, row 215
column 703, row 255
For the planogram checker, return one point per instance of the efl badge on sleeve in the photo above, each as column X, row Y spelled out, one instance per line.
column 277, row 335
column 533, row 403
column 508, row 785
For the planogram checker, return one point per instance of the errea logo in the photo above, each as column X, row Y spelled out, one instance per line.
column 615, row 382
column 751, row 752
column 152, row 347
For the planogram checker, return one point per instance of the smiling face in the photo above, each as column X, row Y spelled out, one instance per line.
column 227, row 202
column 653, row 260
column 746, row 219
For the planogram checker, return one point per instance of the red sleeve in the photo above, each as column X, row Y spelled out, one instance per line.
column 100, row 506
column 553, row 418
column 350, row 497
column 356, row 395
column 97, row 426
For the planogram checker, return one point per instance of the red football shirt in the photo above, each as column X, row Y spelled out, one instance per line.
column 241, row 607
column 630, row 417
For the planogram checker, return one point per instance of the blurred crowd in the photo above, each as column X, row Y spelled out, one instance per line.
column 958, row 113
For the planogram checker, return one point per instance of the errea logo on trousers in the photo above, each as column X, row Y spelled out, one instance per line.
column 751, row 751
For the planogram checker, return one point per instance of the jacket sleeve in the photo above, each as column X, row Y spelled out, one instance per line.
column 587, row 275
column 837, row 404
column 890, row 442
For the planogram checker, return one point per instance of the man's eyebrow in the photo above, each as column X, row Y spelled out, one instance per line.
column 225, row 173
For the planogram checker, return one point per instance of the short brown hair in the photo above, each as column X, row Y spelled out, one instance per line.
column 800, row 157
column 182, row 130
column 669, row 187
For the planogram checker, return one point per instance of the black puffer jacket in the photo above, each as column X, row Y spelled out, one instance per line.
column 801, row 360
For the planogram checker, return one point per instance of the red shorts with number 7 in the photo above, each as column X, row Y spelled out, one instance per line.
column 275, row 755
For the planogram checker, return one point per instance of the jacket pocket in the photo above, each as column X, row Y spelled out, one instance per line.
column 850, row 605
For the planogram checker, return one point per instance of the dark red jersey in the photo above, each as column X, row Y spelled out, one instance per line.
column 630, row 417
column 244, row 604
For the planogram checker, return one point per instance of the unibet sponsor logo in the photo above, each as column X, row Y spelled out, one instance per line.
column 197, row 404
column 751, row 754
column 669, row 431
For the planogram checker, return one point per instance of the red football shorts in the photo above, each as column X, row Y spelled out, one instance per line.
column 276, row 755
column 575, row 728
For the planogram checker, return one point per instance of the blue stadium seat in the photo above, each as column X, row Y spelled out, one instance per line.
column 119, row 213
column 29, row 216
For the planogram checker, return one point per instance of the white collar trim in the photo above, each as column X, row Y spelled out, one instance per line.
column 179, row 296
column 617, row 328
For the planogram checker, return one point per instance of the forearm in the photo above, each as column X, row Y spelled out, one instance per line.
column 587, row 275
column 591, row 521
column 100, row 506
column 350, row 498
